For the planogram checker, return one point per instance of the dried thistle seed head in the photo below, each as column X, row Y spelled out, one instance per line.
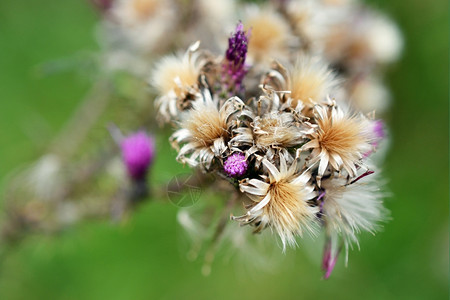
column 349, row 209
column 235, row 165
column 173, row 74
column 281, row 202
column 140, row 27
column 269, row 36
column 217, row 16
column 360, row 38
column 384, row 39
column 302, row 85
column 340, row 140
column 288, row 210
column 369, row 94
column 145, row 8
column 206, row 130
column 276, row 129
column 310, row 81
column 206, row 124
column 176, row 80
column 135, row 12
column 307, row 17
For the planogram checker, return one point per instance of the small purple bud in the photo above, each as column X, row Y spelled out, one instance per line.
column 236, row 165
column 329, row 259
column 138, row 151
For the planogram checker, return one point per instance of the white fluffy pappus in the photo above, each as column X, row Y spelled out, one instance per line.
column 351, row 208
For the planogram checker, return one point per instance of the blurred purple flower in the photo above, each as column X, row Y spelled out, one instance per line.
column 138, row 151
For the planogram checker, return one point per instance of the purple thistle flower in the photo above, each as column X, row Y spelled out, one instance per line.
column 236, row 165
column 237, row 46
column 233, row 67
column 138, row 151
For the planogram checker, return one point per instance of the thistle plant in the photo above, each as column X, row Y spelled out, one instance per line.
column 285, row 134
column 276, row 102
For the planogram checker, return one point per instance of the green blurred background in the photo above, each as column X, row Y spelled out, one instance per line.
column 143, row 259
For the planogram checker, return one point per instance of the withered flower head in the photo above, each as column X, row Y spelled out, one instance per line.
column 351, row 208
column 340, row 140
column 269, row 36
column 205, row 130
column 176, row 80
column 280, row 202
column 295, row 154
column 141, row 25
column 276, row 130
column 308, row 81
